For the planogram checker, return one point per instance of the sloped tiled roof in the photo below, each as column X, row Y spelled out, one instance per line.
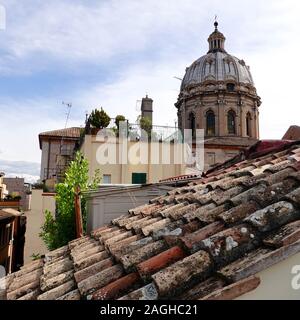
column 207, row 240
column 293, row 133
column 73, row 132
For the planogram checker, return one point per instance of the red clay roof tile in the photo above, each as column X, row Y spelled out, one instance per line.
column 160, row 261
column 115, row 289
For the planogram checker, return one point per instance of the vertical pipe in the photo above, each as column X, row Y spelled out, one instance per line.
column 78, row 215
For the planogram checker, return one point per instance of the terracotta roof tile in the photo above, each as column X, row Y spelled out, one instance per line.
column 115, row 289
column 100, row 279
column 148, row 292
column 160, row 261
column 273, row 216
column 57, row 292
column 73, row 132
column 284, row 236
column 183, row 274
column 203, row 289
column 191, row 239
column 234, row 290
column 257, row 261
column 93, row 269
column 130, row 260
column 73, row 295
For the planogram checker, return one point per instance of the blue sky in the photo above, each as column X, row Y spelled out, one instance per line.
column 111, row 53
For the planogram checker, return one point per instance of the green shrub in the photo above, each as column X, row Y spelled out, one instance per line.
column 99, row 119
column 58, row 230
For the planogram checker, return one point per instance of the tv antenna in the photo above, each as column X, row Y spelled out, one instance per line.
column 69, row 106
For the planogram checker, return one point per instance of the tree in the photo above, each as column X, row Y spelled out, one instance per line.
column 99, row 119
column 145, row 124
column 119, row 118
column 58, row 230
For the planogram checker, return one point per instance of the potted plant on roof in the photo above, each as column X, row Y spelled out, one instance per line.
column 119, row 118
column 98, row 119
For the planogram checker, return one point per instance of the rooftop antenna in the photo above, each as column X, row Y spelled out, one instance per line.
column 69, row 106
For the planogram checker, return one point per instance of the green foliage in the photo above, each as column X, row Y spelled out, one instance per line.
column 14, row 196
column 35, row 256
column 59, row 230
column 146, row 124
column 99, row 119
column 118, row 119
column 38, row 185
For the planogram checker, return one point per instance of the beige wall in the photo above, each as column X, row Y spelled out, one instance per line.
column 122, row 173
column 41, row 201
column 276, row 282
column 35, row 219
column 214, row 156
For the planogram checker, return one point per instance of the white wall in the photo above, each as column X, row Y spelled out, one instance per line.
column 276, row 282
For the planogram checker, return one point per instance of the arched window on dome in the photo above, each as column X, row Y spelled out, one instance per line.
column 231, row 126
column 248, row 124
column 192, row 124
column 210, row 123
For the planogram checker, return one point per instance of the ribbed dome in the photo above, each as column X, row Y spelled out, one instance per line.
column 217, row 65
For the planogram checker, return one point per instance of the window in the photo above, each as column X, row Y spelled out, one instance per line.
column 210, row 123
column 231, row 122
column 106, row 179
column 139, row 178
column 230, row 87
column 248, row 124
column 192, row 125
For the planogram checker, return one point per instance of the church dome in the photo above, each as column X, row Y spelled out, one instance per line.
column 217, row 65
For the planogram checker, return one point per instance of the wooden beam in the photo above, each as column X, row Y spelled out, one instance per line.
column 78, row 215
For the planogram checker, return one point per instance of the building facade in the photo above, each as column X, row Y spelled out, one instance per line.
column 17, row 186
column 57, row 151
column 139, row 168
column 218, row 95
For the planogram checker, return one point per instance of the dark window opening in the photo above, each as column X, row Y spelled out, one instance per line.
column 210, row 123
column 230, row 87
column 192, row 125
column 248, row 125
column 231, row 122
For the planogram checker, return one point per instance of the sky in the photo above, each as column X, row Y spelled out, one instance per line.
column 112, row 53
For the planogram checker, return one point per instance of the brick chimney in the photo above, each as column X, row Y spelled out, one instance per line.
column 147, row 107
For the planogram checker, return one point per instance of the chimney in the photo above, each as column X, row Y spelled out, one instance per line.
column 147, row 108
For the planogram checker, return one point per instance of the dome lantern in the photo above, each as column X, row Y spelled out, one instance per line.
column 216, row 40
